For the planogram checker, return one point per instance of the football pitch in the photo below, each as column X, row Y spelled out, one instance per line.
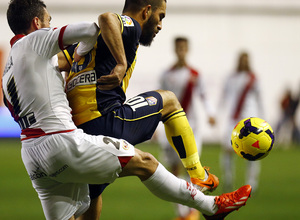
column 127, row 198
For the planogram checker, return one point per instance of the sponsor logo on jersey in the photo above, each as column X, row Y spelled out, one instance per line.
column 60, row 170
column 151, row 100
column 37, row 174
column 127, row 21
column 85, row 78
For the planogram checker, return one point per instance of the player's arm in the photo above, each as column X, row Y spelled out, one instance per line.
column 85, row 32
column 63, row 63
column 65, row 58
column 111, row 32
column 59, row 39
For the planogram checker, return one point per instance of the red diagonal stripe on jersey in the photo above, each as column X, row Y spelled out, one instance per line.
column 187, row 95
column 256, row 144
column 243, row 96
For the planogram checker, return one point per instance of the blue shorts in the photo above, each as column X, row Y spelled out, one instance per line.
column 135, row 121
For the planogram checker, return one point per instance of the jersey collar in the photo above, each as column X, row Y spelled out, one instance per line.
column 16, row 38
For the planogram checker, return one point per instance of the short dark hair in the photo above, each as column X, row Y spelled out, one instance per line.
column 179, row 39
column 21, row 12
column 136, row 5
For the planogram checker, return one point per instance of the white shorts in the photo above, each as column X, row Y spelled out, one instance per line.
column 61, row 165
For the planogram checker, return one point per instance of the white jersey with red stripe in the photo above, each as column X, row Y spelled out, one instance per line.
column 188, row 86
column 232, row 95
column 33, row 87
column 59, row 165
column 234, row 87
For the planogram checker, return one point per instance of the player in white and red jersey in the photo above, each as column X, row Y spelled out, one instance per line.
column 242, row 99
column 188, row 86
column 59, row 158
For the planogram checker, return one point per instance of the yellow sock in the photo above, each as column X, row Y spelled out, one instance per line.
column 181, row 138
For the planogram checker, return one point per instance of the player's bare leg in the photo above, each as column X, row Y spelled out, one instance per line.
column 168, row 187
column 142, row 165
column 94, row 211
column 181, row 138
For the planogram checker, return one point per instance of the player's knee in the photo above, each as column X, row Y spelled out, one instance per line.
column 147, row 165
column 170, row 102
column 142, row 165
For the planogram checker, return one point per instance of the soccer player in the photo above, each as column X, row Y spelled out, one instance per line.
column 61, row 159
column 97, row 84
column 241, row 94
column 188, row 86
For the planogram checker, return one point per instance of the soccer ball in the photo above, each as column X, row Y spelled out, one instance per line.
column 252, row 138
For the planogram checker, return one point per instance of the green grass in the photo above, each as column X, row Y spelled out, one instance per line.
column 127, row 198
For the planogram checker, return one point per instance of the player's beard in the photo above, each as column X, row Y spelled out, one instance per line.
column 148, row 32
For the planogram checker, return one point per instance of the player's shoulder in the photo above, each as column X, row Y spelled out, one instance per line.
column 129, row 24
column 40, row 35
column 130, row 28
column 42, row 31
column 127, row 21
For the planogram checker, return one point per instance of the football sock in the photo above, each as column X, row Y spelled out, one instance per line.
column 166, row 186
column 180, row 136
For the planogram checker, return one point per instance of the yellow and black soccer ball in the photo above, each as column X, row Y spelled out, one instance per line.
column 252, row 138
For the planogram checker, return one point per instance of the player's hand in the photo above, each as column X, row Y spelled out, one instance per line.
column 114, row 79
column 76, row 56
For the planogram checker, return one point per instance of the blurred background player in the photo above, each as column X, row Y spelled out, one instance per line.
column 188, row 86
column 289, row 104
column 241, row 97
column 97, row 84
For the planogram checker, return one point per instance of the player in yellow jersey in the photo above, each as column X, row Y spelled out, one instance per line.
column 98, row 81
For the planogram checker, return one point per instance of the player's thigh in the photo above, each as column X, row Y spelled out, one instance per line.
column 59, row 200
column 135, row 121
column 140, row 116
column 62, row 200
column 76, row 157
column 60, row 165
column 94, row 159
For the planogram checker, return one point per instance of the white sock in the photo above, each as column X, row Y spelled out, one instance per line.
column 168, row 187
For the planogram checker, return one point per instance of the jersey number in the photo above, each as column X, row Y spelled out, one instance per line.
column 12, row 91
column 26, row 120
column 136, row 102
